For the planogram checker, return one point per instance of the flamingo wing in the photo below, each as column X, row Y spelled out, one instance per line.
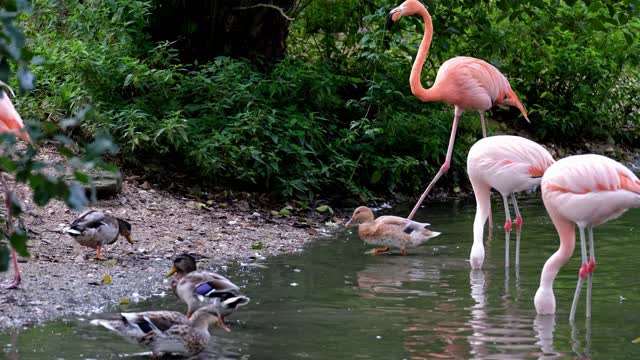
column 590, row 189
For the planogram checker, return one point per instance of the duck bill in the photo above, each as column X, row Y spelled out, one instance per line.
column 129, row 239
column 172, row 271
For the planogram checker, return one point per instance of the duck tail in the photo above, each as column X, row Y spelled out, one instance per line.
column 236, row 301
column 71, row 231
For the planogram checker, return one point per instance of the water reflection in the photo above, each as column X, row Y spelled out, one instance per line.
column 385, row 278
column 497, row 335
column 544, row 326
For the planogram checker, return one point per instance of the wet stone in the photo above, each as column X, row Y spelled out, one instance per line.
column 107, row 184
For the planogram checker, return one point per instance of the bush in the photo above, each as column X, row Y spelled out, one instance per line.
column 336, row 116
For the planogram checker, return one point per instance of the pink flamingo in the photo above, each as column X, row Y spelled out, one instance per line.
column 586, row 190
column 465, row 82
column 11, row 122
column 508, row 164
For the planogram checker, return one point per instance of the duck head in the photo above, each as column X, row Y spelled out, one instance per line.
column 182, row 265
column 360, row 215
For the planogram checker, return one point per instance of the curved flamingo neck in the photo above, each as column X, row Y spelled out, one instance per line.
column 566, row 231
column 416, row 70
column 483, row 208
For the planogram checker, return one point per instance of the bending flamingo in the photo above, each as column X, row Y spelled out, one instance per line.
column 11, row 122
column 586, row 190
column 465, row 82
column 508, row 164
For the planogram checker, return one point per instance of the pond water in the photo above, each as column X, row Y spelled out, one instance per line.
column 334, row 302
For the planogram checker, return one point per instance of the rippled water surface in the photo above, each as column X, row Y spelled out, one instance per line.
column 335, row 302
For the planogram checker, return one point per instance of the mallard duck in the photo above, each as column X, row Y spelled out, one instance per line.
column 199, row 288
column 390, row 231
column 165, row 331
column 95, row 229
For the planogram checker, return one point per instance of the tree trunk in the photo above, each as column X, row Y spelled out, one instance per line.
column 204, row 29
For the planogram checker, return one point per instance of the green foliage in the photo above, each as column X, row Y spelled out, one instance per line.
column 336, row 116
column 22, row 162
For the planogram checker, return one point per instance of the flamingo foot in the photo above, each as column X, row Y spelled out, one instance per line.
column 518, row 222
column 378, row 251
column 404, row 252
column 155, row 355
column 591, row 266
column 584, row 271
column 13, row 284
column 188, row 315
column 507, row 225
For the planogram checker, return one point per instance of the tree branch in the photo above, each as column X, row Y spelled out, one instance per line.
column 279, row 9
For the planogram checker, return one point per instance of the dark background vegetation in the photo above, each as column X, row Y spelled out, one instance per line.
column 320, row 106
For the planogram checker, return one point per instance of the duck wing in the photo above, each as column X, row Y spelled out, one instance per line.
column 159, row 321
column 90, row 219
column 407, row 226
column 215, row 281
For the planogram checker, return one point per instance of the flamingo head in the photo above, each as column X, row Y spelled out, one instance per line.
column 407, row 8
column 545, row 301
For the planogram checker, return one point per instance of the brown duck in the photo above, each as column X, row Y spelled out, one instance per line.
column 390, row 231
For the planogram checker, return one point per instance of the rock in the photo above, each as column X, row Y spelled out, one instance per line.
column 106, row 183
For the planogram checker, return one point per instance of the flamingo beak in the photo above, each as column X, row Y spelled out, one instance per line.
column 348, row 222
column 394, row 15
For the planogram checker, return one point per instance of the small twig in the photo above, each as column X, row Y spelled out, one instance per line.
column 279, row 9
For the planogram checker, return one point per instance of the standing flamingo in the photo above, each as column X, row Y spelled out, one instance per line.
column 465, row 82
column 586, row 190
column 11, row 122
column 508, row 164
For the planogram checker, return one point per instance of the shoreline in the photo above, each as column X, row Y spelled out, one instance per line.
column 61, row 278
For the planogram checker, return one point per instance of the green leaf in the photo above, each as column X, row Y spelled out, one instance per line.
column 4, row 257
column 81, row 177
column 257, row 246
column 18, row 241
column 324, row 208
column 377, row 175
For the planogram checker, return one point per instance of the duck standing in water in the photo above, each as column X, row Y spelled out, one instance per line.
column 95, row 229
column 390, row 231
column 199, row 288
column 165, row 331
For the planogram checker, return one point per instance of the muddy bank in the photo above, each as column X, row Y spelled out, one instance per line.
column 61, row 278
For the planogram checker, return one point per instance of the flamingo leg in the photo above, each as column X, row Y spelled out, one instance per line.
column 518, row 228
column 484, row 135
column 16, row 273
column 507, row 229
column 484, row 124
column 444, row 167
column 581, row 275
column 490, row 215
column 592, row 265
